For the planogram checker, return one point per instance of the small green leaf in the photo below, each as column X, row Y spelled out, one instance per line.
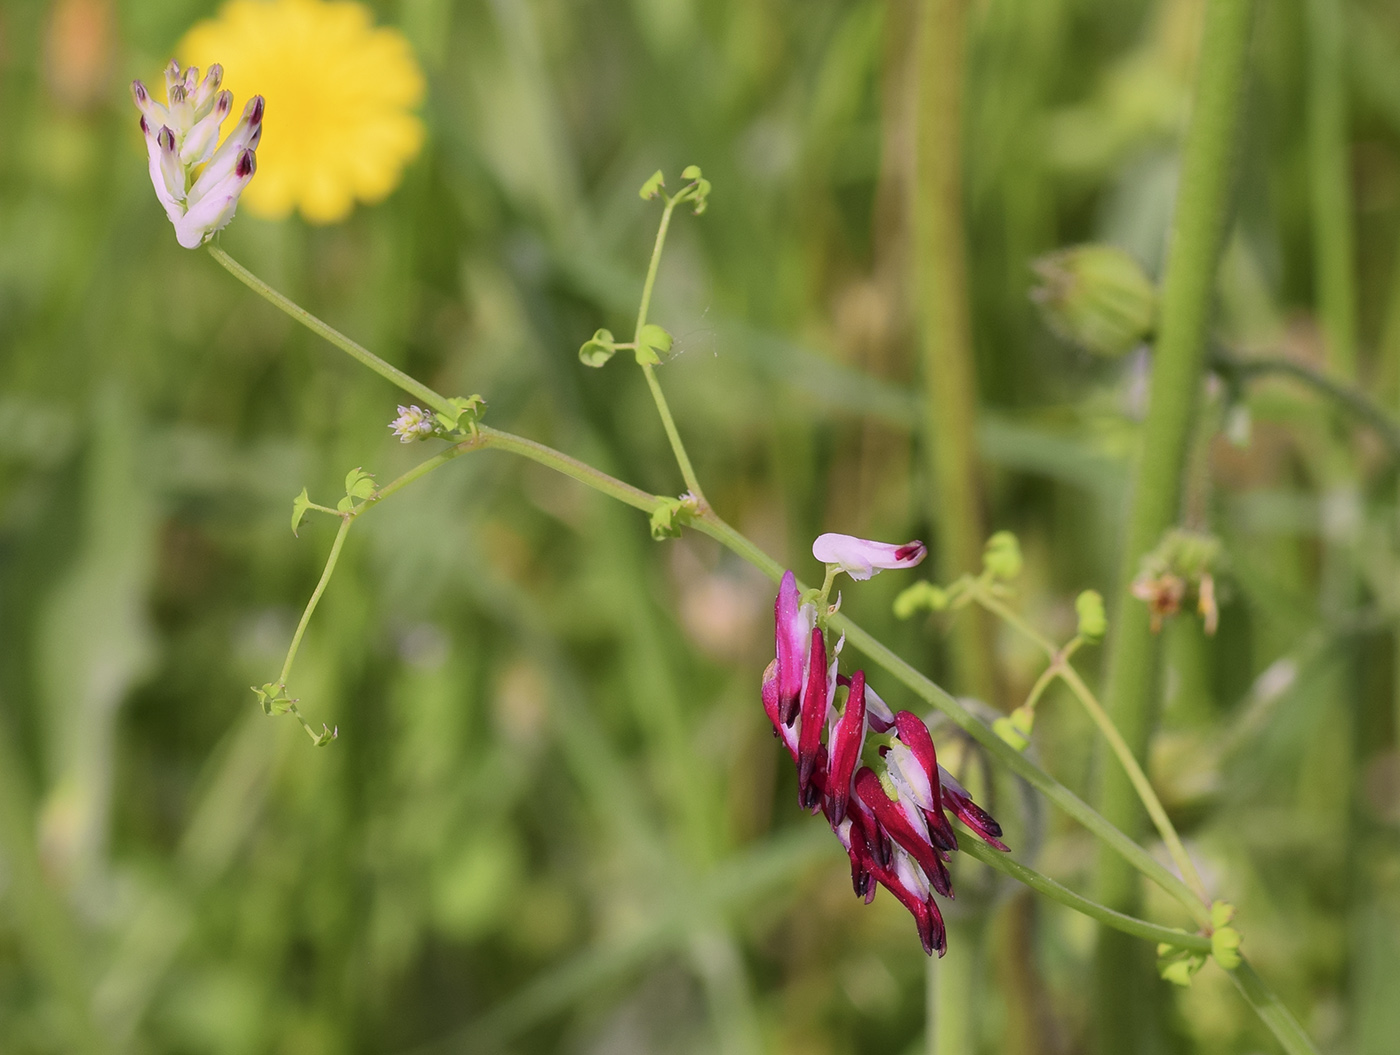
column 670, row 516
column 300, row 504
column 273, row 698
column 702, row 197
column 651, row 342
column 1221, row 914
column 690, row 172
column 327, row 735
column 358, row 484
column 652, row 187
column 598, row 349
column 345, row 504
column 1093, row 621
column 921, row 595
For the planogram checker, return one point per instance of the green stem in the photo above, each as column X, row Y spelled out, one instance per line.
column 692, row 482
column 1060, row 667
column 1271, row 1011
column 1124, row 997
column 357, row 351
column 346, row 520
column 1141, row 784
column 1349, row 396
column 945, row 329
column 1043, row 884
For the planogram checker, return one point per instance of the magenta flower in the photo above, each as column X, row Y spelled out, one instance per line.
column 860, row 558
column 891, row 820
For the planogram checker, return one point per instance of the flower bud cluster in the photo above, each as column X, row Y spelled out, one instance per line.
column 197, row 179
column 890, row 817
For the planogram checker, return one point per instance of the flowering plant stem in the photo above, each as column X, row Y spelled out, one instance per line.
column 1061, row 668
column 1270, row 1011
column 354, row 349
column 692, row 482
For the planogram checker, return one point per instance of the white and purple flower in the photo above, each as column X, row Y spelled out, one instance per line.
column 197, row 180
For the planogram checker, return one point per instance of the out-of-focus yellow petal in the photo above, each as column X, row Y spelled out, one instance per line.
column 340, row 91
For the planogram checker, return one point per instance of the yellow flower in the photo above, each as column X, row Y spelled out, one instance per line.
column 340, row 92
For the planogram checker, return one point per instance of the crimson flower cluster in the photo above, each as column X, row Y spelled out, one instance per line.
column 892, row 821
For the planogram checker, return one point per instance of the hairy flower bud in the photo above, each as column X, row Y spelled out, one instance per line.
column 1098, row 297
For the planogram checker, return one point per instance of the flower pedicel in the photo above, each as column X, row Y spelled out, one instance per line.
column 892, row 823
column 196, row 179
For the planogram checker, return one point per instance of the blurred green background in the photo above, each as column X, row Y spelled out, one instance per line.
column 555, row 818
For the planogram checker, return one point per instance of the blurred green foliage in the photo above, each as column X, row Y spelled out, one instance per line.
column 555, row 818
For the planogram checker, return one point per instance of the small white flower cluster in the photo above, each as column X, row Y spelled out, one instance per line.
column 197, row 180
column 413, row 423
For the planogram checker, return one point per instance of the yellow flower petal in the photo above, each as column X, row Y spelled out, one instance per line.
column 340, row 93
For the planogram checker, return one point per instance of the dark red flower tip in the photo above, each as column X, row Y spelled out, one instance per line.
column 845, row 749
column 809, row 736
column 892, row 819
column 914, row 551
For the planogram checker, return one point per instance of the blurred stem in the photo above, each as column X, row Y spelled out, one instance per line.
column 692, row 482
column 1271, row 1011
column 1348, row 396
column 46, row 927
column 941, row 292
column 951, row 1004
column 1331, row 185
column 355, row 350
column 1197, row 234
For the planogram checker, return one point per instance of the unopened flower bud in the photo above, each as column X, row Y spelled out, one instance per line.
column 1098, row 297
column 1093, row 621
column 1002, row 556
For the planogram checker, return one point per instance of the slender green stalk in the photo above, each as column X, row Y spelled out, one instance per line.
column 1141, row 784
column 951, row 993
column 569, row 466
column 1123, row 996
column 1271, row 1011
column 1043, row 884
column 945, row 329
column 692, row 482
column 1061, row 668
column 1328, row 160
column 344, row 529
column 357, row 351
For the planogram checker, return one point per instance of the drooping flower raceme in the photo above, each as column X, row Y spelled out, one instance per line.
column 890, row 817
column 197, row 179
